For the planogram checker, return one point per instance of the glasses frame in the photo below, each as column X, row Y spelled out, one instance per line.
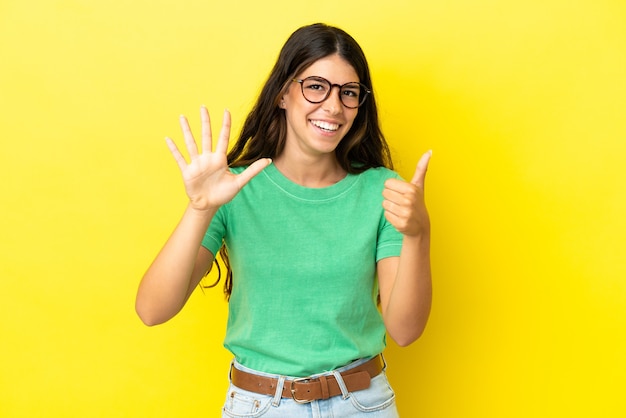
column 363, row 87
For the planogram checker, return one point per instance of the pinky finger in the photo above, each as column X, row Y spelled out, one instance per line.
column 398, row 222
column 180, row 160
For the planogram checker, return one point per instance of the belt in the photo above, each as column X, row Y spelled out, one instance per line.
column 307, row 389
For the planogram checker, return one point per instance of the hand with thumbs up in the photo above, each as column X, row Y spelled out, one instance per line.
column 404, row 203
column 405, row 282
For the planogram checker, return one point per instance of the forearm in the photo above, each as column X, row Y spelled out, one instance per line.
column 408, row 307
column 174, row 273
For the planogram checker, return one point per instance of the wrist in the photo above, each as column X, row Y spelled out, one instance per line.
column 201, row 213
column 420, row 239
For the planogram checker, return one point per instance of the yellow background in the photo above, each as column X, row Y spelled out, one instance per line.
column 523, row 103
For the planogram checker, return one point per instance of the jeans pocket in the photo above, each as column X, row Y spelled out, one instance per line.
column 377, row 397
column 241, row 403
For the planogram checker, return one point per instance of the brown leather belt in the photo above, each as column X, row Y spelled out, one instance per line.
column 306, row 389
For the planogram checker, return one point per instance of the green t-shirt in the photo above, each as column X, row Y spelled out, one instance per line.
column 304, row 271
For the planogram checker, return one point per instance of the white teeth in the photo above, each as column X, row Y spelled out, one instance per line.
column 325, row 125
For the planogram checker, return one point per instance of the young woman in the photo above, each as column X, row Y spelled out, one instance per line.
column 327, row 248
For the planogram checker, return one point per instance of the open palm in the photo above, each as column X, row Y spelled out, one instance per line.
column 208, row 181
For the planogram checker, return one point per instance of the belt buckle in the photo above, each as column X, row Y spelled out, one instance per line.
column 293, row 390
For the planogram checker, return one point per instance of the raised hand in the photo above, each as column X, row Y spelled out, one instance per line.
column 208, row 181
column 404, row 203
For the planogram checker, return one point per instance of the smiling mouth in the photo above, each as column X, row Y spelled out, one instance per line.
column 325, row 126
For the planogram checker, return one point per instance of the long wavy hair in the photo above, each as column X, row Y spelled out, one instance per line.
column 265, row 129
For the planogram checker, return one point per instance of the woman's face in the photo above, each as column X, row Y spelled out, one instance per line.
column 316, row 129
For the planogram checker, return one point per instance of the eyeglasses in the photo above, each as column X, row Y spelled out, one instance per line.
column 317, row 89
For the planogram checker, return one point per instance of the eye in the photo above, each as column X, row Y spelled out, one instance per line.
column 351, row 91
column 316, row 86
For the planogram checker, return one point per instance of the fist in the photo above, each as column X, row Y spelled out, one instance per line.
column 404, row 203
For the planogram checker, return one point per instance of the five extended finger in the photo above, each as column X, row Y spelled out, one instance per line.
column 192, row 148
column 222, row 142
column 255, row 168
column 180, row 160
column 207, row 141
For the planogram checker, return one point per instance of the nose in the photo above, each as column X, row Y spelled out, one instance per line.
column 333, row 104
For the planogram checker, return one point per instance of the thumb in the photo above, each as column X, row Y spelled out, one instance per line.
column 254, row 169
column 420, row 170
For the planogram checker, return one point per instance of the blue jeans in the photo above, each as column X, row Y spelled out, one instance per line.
column 377, row 401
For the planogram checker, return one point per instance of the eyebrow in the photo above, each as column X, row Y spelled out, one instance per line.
column 324, row 78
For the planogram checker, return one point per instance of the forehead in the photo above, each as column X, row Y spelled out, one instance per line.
column 333, row 68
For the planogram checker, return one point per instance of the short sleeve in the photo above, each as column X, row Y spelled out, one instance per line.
column 389, row 242
column 214, row 235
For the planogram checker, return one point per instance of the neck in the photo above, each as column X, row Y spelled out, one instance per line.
column 311, row 172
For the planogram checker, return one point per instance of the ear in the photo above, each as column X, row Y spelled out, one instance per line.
column 282, row 104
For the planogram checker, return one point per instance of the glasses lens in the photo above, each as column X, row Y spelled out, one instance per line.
column 352, row 95
column 315, row 89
